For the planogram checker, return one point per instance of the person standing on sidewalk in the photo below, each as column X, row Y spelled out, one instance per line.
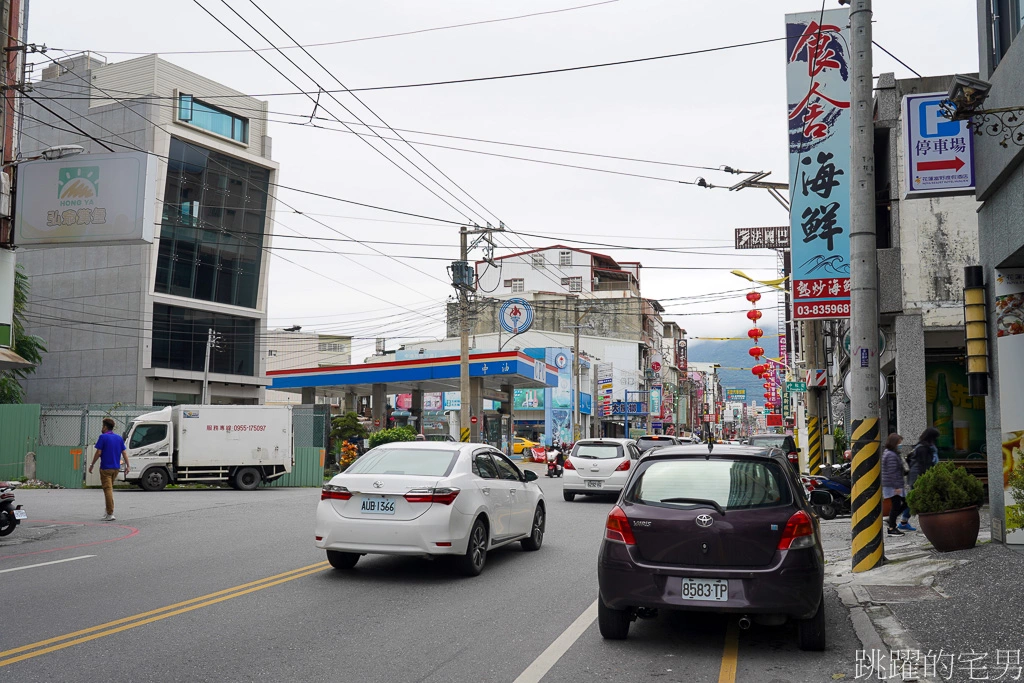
column 921, row 459
column 892, row 480
column 110, row 451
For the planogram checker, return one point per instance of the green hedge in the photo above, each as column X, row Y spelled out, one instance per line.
column 945, row 487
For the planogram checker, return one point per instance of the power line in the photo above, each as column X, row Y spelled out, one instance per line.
column 907, row 66
column 366, row 38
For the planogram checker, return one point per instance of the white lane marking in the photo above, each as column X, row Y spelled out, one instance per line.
column 547, row 659
column 43, row 564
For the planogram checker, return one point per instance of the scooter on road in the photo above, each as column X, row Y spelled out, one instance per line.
column 554, row 466
column 10, row 514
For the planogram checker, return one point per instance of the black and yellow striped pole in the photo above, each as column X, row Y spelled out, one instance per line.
column 867, row 495
column 814, row 445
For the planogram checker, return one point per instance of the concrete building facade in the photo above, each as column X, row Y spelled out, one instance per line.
column 130, row 323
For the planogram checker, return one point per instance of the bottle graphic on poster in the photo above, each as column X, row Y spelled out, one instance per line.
column 942, row 415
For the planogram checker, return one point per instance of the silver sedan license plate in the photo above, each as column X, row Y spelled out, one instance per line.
column 594, row 483
column 715, row 590
column 378, row 506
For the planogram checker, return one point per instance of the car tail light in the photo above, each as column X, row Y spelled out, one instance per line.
column 568, row 465
column 799, row 532
column 617, row 527
column 444, row 496
column 623, row 467
column 332, row 492
column 794, row 457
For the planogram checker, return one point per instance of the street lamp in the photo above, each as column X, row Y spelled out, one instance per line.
column 966, row 95
column 50, row 154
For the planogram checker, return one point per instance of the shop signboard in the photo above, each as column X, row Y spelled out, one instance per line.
column 938, row 152
column 1009, row 319
column 452, row 401
column 818, row 95
column 433, row 400
column 736, row 394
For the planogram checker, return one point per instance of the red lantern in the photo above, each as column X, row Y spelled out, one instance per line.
column 767, row 394
column 769, row 406
column 756, row 352
column 766, row 385
column 755, row 333
column 753, row 314
column 753, row 297
column 758, row 370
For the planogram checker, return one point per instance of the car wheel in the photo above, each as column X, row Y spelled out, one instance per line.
column 811, row 632
column 613, row 623
column 340, row 560
column 472, row 563
column 247, row 479
column 827, row 511
column 569, row 496
column 154, row 479
column 536, row 531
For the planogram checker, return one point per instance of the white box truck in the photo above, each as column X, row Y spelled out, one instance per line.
column 242, row 446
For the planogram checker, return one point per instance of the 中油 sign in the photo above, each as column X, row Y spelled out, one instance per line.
column 939, row 153
column 818, row 96
column 515, row 316
column 87, row 200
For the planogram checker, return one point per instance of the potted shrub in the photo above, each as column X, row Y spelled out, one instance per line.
column 946, row 499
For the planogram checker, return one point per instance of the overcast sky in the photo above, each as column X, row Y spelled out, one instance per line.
column 721, row 108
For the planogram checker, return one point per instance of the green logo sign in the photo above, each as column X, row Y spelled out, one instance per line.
column 796, row 387
column 78, row 182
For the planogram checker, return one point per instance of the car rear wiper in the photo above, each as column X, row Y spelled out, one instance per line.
column 588, row 457
column 700, row 501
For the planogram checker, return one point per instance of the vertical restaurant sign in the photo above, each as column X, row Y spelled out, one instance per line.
column 1009, row 316
column 605, row 388
column 818, row 97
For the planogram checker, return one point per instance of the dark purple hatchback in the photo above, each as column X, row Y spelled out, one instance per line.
column 722, row 531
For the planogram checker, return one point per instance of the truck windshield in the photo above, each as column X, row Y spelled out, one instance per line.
column 407, row 461
column 146, row 434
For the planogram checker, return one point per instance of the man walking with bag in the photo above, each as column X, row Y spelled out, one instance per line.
column 110, row 451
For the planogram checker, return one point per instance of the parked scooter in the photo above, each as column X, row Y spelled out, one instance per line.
column 555, row 459
column 10, row 514
column 841, row 489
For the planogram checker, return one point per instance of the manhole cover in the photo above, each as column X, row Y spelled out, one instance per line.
column 901, row 593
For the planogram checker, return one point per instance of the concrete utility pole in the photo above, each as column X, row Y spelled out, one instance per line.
column 864, row 401
column 576, row 327
column 212, row 341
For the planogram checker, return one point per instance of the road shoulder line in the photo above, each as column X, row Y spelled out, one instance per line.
column 547, row 659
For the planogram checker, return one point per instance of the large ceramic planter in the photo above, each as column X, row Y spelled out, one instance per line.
column 951, row 530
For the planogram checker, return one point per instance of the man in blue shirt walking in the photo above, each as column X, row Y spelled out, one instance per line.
column 110, row 451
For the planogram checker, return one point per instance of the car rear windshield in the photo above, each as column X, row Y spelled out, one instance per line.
column 733, row 484
column 408, row 461
column 599, row 451
column 646, row 443
column 773, row 441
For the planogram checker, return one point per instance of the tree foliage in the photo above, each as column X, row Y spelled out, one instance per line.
column 393, row 434
column 945, row 487
column 28, row 346
column 347, row 426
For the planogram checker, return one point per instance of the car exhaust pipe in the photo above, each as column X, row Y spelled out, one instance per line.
column 744, row 622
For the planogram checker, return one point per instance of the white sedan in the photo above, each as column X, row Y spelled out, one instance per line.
column 429, row 498
column 598, row 466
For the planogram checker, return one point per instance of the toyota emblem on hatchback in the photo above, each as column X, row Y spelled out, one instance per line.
column 704, row 520
column 378, row 484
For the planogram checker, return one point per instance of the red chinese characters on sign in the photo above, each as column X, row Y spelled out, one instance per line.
column 816, row 47
column 821, row 288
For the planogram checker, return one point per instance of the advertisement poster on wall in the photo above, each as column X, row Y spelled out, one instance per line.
column 432, row 401
column 959, row 417
column 528, row 399
column 1009, row 317
column 558, row 412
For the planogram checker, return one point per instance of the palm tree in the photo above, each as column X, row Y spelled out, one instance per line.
column 28, row 346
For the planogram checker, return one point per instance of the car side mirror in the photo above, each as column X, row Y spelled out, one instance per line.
column 529, row 475
column 821, row 498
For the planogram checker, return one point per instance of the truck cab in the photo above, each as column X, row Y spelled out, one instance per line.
column 150, row 446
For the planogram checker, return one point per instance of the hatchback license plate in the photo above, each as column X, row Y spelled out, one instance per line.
column 377, row 506
column 594, row 483
column 20, row 514
column 715, row 590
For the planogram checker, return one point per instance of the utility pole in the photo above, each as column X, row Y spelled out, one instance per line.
column 212, row 342
column 864, row 401
column 576, row 327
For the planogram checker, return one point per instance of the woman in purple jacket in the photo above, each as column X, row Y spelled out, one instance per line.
column 892, row 480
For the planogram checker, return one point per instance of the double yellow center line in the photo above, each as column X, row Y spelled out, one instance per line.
column 43, row 647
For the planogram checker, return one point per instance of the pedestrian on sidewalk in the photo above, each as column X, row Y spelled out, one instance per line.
column 920, row 460
column 892, row 480
column 110, row 451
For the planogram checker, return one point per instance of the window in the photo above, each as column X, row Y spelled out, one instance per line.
column 1007, row 21
column 484, row 467
column 331, row 346
column 405, row 461
column 576, row 284
column 213, row 119
column 597, row 451
column 271, row 353
column 147, row 434
column 737, row 484
column 518, row 285
column 179, row 340
column 565, row 258
column 211, row 236
column 506, row 470
column 538, row 260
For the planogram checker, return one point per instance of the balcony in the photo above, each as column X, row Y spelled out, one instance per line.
column 617, row 286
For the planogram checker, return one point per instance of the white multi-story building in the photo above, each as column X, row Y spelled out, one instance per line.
column 560, row 269
column 130, row 323
column 290, row 348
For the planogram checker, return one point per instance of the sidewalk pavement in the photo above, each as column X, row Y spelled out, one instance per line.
column 950, row 616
